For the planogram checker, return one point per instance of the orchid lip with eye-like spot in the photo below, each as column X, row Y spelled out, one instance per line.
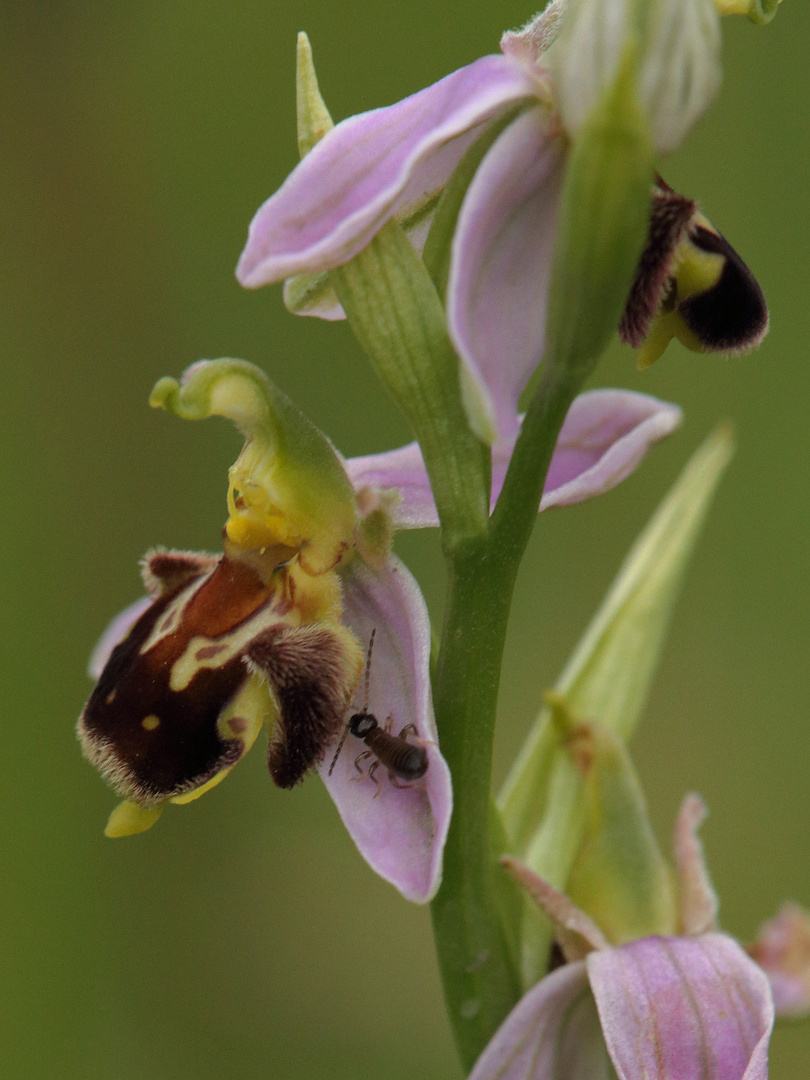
column 216, row 654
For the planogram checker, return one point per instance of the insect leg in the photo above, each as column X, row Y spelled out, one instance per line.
column 361, row 757
column 372, row 770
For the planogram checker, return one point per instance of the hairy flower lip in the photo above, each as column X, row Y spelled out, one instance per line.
column 400, row 831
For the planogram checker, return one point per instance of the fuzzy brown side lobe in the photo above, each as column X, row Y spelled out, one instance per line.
column 306, row 666
column 670, row 214
column 165, row 571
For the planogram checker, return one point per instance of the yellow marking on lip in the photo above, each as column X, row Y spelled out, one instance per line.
column 149, row 723
column 173, row 614
column 229, row 645
column 110, row 698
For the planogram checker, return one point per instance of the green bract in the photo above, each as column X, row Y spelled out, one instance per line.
column 619, row 877
column 607, row 678
column 396, row 314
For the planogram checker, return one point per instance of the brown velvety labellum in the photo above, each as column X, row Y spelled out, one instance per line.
column 152, row 741
column 732, row 315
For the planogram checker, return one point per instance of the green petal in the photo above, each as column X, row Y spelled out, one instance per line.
column 603, row 225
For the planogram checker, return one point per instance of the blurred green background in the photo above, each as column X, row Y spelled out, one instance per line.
column 244, row 937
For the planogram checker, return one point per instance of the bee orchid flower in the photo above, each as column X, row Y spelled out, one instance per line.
column 275, row 630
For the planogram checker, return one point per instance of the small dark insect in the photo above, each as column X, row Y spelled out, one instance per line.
column 402, row 759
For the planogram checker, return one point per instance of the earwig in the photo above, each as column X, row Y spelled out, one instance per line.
column 402, row 759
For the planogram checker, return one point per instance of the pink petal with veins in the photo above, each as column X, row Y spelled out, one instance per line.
column 497, row 293
column 400, row 831
column 551, row 1034
column 685, row 1008
column 697, row 900
column 603, row 439
column 373, row 166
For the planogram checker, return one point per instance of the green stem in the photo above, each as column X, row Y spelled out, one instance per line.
column 481, row 977
column 479, row 968
column 516, row 510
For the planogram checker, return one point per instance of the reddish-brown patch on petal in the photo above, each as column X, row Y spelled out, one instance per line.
column 207, row 652
column 151, row 674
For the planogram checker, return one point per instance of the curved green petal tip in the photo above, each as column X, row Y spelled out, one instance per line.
column 619, row 876
column 758, row 11
column 234, row 389
column 313, row 116
column 288, row 485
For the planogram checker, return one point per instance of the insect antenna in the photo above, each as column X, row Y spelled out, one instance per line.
column 368, row 667
column 365, row 706
column 340, row 747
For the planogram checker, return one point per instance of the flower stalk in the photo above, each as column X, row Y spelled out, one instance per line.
column 466, row 921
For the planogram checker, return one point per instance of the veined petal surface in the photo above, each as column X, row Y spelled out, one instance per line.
column 603, row 439
column 400, row 831
column 501, row 262
column 552, row 1034
column 372, row 166
column 691, row 1008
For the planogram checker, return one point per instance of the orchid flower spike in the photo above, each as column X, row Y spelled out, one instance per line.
column 522, row 108
column 691, row 1005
